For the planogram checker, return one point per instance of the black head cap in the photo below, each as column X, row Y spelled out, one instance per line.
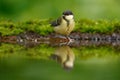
column 68, row 12
column 67, row 68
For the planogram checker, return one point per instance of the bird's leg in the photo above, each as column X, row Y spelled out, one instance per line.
column 60, row 36
column 61, row 39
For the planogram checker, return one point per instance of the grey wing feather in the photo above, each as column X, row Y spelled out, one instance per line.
column 56, row 22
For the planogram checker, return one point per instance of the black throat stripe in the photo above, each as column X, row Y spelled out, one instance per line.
column 66, row 20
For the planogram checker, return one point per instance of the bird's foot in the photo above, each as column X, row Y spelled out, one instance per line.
column 63, row 40
column 70, row 40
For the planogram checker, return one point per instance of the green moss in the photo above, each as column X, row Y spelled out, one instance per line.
column 90, row 26
column 43, row 27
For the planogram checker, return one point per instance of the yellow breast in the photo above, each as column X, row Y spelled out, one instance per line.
column 63, row 52
column 64, row 29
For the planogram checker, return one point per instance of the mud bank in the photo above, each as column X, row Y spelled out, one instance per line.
column 31, row 38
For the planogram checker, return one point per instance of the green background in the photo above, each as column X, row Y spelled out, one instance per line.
column 44, row 9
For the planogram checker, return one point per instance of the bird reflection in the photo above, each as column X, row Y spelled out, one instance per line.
column 65, row 56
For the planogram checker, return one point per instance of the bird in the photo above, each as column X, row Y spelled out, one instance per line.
column 65, row 56
column 65, row 24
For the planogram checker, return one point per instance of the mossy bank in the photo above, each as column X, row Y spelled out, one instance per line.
column 42, row 27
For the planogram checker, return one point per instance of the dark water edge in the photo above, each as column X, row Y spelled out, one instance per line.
column 77, row 39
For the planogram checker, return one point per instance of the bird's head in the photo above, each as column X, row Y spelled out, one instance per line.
column 68, row 15
column 68, row 65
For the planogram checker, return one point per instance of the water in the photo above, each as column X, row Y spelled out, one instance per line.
column 30, row 61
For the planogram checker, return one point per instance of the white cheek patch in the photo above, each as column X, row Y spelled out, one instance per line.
column 69, row 17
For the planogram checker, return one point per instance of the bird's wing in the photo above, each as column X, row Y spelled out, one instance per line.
column 56, row 22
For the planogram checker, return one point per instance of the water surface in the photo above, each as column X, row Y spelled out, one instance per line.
column 59, row 62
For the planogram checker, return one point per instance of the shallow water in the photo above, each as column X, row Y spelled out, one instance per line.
column 28, row 61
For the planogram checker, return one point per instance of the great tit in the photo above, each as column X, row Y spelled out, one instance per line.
column 64, row 24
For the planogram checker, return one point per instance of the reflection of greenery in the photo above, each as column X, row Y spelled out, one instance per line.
column 98, row 52
column 40, row 52
column 33, row 63
column 44, row 51
column 43, row 27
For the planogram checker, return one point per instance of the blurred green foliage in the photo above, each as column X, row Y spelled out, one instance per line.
column 36, row 15
column 43, row 9
column 44, row 51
